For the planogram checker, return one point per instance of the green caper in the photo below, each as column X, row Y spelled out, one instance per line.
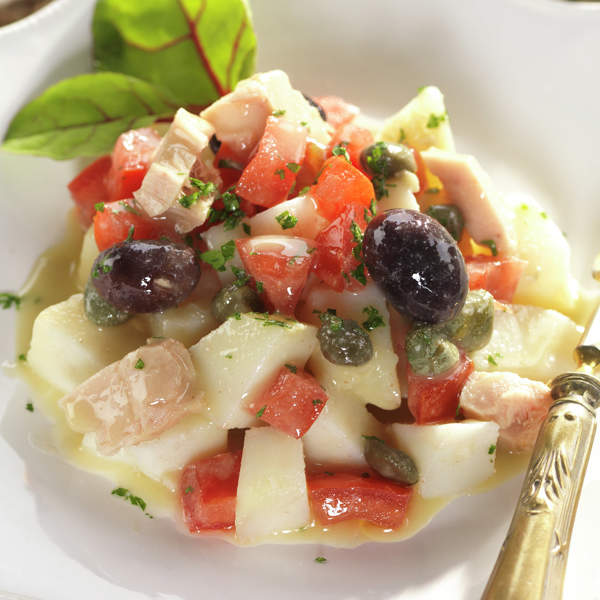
column 343, row 341
column 234, row 299
column 450, row 217
column 99, row 311
column 472, row 328
column 386, row 160
column 390, row 463
column 429, row 352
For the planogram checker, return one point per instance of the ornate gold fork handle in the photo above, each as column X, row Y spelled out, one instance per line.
column 532, row 561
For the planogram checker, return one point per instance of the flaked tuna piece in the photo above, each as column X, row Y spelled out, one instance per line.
column 184, row 152
column 239, row 118
column 136, row 398
column 516, row 404
column 470, row 188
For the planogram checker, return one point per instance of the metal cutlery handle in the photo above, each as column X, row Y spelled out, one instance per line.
column 531, row 564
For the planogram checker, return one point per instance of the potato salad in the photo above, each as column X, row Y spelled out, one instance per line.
column 293, row 323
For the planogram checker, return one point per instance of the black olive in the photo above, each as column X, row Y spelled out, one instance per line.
column 145, row 276
column 214, row 143
column 235, row 299
column 450, row 217
column 417, row 265
column 321, row 110
column 343, row 341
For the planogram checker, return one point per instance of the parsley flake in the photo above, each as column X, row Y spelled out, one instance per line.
column 129, row 208
column 241, row 277
column 286, row 220
column 402, row 135
column 281, row 173
column 373, row 437
column 359, row 272
column 188, row 490
column 203, row 189
column 340, row 150
column 7, row 300
column 374, row 319
column 291, row 368
column 491, row 360
column 246, row 228
column 491, row 244
column 293, row 167
column 259, row 287
column 492, row 449
column 435, row 120
column 134, row 500
column 218, row 257
column 139, row 364
column 29, row 407
column 229, row 355
column 320, row 559
column 130, row 233
column 317, row 401
column 269, row 322
column 261, row 412
column 22, row 357
column 278, row 113
column 304, row 190
column 99, row 206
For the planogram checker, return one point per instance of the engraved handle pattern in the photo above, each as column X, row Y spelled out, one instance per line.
column 532, row 561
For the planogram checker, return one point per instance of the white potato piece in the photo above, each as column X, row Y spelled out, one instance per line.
column 89, row 252
column 422, row 123
column 532, row 342
column 376, row 381
column 271, row 494
column 451, row 458
column 336, row 437
column 163, row 458
column 66, row 348
column 547, row 279
column 401, row 193
column 239, row 359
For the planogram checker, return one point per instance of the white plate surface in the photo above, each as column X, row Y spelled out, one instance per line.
column 521, row 85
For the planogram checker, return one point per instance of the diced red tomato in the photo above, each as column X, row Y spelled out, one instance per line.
column 358, row 495
column 338, row 111
column 229, row 174
column 339, row 185
column 435, row 399
column 279, row 265
column 89, row 189
column 354, row 139
column 292, row 403
column 271, row 172
column 499, row 276
column 314, row 158
column 335, row 243
column 113, row 223
column 131, row 158
column 207, row 492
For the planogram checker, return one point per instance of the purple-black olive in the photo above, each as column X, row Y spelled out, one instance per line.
column 321, row 110
column 417, row 264
column 145, row 276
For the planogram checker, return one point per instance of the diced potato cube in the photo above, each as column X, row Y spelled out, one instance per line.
column 239, row 359
column 376, row 381
column 66, row 348
column 422, row 123
column 89, row 252
column 401, row 193
column 451, row 458
column 271, row 494
column 532, row 342
column 336, row 437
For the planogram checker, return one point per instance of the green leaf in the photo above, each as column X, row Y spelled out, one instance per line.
column 84, row 115
column 197, row 49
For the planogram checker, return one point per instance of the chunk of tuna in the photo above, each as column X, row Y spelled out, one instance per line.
column 470, row 188
column 184, row 152
column 136, row 398
column 516, row 404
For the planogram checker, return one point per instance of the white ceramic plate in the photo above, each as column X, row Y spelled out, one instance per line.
column 520, row 79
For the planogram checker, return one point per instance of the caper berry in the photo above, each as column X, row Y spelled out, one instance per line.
column 429, row 352
column 343, row 341
column 99, row 311
column 450, row 217
column 234, row 299
column 472, row 328
column 386, row 160
column 390, row 463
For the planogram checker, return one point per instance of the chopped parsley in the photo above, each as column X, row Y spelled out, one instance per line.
column 330, row 318
column 99, row 206
column 229, row 355
column 492, row 449
column 281, row 173
column 203, row 189
column 101, row 268
column 246, row 228
column 340, row 150
column 491, row 360
column 293, row 167
column 261, row 412
column 524, row 207
column 286, row 220
column 217, row 258
column 269, row 322
column 29, row 407
column 130, row 233
column 292, row 368
column 373, row 437
column 22, row 357
column 491, row 244
column 140, row 364
column 359, row 272
column 320, row 559
column 402, row 135
column 188, row 490
column 377, row 162
column 303, row 191
column 544, row 215
column 134, row 500
column 231, row 214
column 374, row 319
column 259, row 287
column 129, row 208
column 241, row 277
column 7, row 300
column 237, row 316
column 317, row 401
column 435, row 120
column 421, row 88
column 278, row 113
column 227, row 163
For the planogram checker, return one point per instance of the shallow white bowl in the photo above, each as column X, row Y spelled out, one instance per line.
column 520, row 79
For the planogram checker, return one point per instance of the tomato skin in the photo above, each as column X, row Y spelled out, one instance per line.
column 314, row 157
column 112, row 225
column 131, row 158
column 352, row 495
column 89, row 189
column 334, row 250
column 499, row 276
column 354, row 139
column 207, row 492
column 229, row 176
column 292, row 403
column 267, row 180
column 435, row 399
column 340, row 184
column 281, row 270
column 338, row 111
